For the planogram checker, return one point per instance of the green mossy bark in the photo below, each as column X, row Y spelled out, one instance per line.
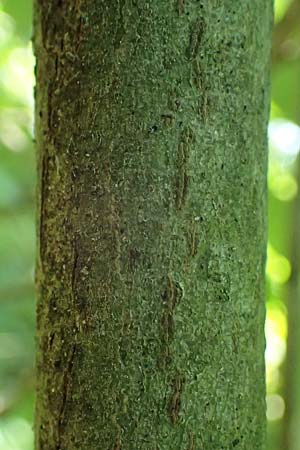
column 151, row 121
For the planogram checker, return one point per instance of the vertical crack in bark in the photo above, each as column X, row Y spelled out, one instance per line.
column 193, row 240
column 79, row 33
column 175, row 400
column 171, row 297
column 77, row 6
column 197, row 76
column 117, row 445
column 181, row 181
column 66, row 381
column 196, row 37
column 192, row 441
column 74, row 268
column 80, row 319
column 68, row 371
column 49, row 107
column 197, row 31
column 79, row 28
column 180, row 7
column 43, row 198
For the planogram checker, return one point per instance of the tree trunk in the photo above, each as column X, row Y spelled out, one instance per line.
column 151, row 121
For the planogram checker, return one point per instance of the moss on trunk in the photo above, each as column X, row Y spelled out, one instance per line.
column 151, row 121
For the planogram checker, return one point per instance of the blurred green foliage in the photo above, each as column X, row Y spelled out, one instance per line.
column 17, row 237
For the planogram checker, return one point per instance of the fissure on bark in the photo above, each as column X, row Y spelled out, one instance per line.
column 151, row 123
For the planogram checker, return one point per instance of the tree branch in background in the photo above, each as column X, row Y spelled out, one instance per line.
column 285, row 45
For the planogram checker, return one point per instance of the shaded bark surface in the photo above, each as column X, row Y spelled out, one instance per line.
column 151, row 121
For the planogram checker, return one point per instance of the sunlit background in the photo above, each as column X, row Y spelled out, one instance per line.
column 17, row 238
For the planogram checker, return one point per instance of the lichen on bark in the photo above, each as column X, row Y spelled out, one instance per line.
column 151, row 123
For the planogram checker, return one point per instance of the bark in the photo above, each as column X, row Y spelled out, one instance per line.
column 151, row 123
